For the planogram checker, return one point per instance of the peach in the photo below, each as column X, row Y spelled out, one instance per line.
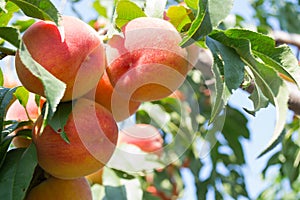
column 53, row 188
column 77, row 58
column 17, row 112
column 96, row 177
column 92, row 133
column 146, row 63
column 144, row 136
column 105, row 95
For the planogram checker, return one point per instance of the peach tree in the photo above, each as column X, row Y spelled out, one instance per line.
column 129, row 94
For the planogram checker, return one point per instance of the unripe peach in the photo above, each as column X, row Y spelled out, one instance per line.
column 92, row 133
column 144, row 136
column 53, row 188
column 105, row 95
column 147, row 63
column 77, row 59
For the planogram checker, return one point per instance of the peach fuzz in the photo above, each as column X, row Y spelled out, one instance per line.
column 105, row 95
column 144, row 136
column 53, row 188
column 78, row 60
column 146, row 63
column 92, row 133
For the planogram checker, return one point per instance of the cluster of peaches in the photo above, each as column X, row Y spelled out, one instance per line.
column 106, row 84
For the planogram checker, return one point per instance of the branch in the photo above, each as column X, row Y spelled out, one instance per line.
column 287, row 38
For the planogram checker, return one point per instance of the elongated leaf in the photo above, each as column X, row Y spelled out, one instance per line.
column 5, row 17
column 259, row 100
column 4, row 145
column 16, row 173
column 222, row 90
column 179, row 17
column 266, row 78
column 59, row 119
column 11, row 35
column 22, row 25
column 6, row 98
column 126, row 11
column 191, row 3
column 155, row 8
column 1, row 78
column 22, row 95
column 41, row 9
column 210, row 14
column 54, row 88
column 101, row 10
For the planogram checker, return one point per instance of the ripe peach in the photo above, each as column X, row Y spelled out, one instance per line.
column 147, row 63
column 54, row 188
column 92, row 133
column 105, row 95
column 95, row 177
column 144, row 136
column 77, row 59
column 17, row 112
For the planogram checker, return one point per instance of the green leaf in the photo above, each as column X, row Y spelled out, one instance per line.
column 41, row 9
column 155, row 8
column 210, row 14
column 17, row 172
column 192, row 4
column 60, row 118
column 118, row 192
column 222, row 92
column 4, row 145
column 265, row 77
column 101, row 10
column 1, row 78
column 127, row 11
column 123, row 174
column 5, row 17
column 179, row 17
column 22, row 25
column 10, row 34
column 259, row 100
column 54, row 88
column 6, row 98
column 22, row 95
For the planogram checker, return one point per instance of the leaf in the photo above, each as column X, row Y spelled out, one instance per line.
column 222, row 92
column 22, row 25
column 1, row 78
column 192, row 4
column 6, row 99
column 233, row 65
column 117, row 192
column 127, row 11
column 123, row 174
column 11, row 35
column 17, row 172
column 5, row 17
column 179, row 17
column 265, row 77
column 42, row 9
column 22, row 95
column 53, row 87
column 210, row 14
column 60, row 118
column 4, row 145
column 155, row 8
column 101, row 10
column 259, row 100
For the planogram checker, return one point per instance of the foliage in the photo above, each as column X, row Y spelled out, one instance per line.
column 202, row 133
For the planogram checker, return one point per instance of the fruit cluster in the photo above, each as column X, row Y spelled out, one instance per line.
column 106, row 83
